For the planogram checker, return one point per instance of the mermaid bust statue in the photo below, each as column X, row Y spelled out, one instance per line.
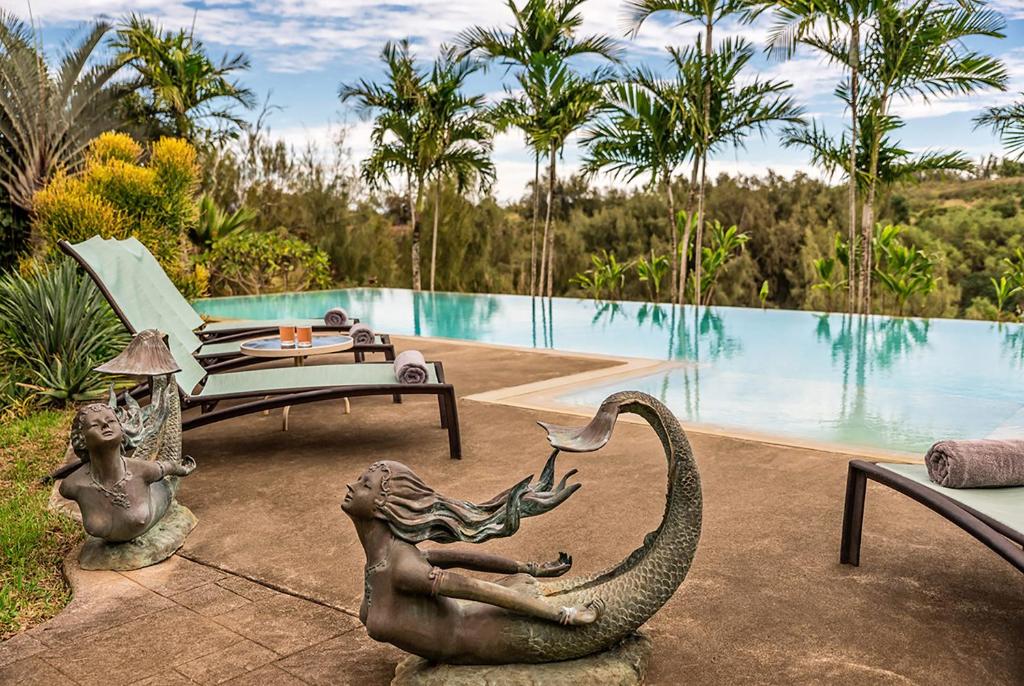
column 415, row 601
column 129, row 465
column 120, row 498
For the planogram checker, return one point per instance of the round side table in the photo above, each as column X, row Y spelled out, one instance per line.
column 270, row 347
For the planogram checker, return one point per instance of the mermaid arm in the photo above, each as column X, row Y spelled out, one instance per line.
column 438, row 582
column 156, row 470
column 496, row 564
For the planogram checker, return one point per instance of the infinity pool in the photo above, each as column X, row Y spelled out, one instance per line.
column 876, row 382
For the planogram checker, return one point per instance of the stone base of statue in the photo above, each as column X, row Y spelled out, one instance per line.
column 156, row 545
column 622, row 665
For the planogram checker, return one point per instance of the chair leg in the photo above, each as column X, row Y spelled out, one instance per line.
column 442, row 406
column 454, row 438
column 853, row 517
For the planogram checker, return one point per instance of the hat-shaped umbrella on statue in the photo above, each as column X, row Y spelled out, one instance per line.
column 146, row 355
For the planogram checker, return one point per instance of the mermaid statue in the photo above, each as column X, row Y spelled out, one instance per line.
column 415, row 601
column 129, row 465
column 120, row 497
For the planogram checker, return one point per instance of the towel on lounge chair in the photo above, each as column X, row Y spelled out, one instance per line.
column 976, row 464
column 411, row 368
column 361, row 334
column 336, row 317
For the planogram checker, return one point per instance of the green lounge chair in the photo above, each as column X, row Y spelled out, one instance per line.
column 143, row 297
column 255, row 390
column 994, row 516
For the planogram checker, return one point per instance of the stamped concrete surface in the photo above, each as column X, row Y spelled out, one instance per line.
column 765, row 602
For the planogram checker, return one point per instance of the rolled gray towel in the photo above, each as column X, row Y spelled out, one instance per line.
column 411, row 368
column 361, row 334
column 336, row 317
column 977, row 463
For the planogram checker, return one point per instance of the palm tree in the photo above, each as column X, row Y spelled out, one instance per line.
column 893, row 164
column 182, row 86
column 571, row 102
column 457, row 133
column 707, row 13
column 643, row 135
column 732, row 114
column 539, row 41
column 395, row 137
column 919, row 50
column 820, row 24
column 49, row 115
column 1007, row 121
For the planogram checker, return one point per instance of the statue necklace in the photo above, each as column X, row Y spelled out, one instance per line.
column 116, row 493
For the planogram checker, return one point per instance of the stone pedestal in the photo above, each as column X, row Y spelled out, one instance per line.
column 156, row 545
column 623, row 665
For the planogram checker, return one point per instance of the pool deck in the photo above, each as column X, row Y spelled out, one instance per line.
column 267, row 589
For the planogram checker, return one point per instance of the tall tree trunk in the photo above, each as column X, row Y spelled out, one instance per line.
column 708, row 30
column 698, row 248
column 544, row 265
column 673, row 238
column 868, row 213
column 852, row 295
column 433, row 247
column 416, row 238
column 551, row 263
column 685, row 247
column 533, row 228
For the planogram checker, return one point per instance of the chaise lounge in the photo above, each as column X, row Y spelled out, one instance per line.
column 143, row 297
column 994, row 516
column 265, row 389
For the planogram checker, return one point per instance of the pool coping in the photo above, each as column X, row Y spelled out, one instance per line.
column 540, row 396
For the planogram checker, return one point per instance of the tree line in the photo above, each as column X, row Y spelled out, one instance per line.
column 430, row 163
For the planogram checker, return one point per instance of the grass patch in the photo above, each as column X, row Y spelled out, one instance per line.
column 34, row 539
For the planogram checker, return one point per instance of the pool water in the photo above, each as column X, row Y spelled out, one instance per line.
column 874, row 382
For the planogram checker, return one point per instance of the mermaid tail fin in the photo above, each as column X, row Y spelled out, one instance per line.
column 588, row 438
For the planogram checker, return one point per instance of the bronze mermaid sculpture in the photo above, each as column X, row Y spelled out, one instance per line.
column 120, row 497
column 413, row 601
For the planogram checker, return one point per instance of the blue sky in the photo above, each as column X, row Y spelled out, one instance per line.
column 301, row 51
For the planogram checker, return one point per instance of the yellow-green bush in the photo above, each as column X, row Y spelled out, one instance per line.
column 117, row 195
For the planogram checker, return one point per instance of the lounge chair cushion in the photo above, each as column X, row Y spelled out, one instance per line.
column 1005, row 505
column 243, row 324
column 254, row 382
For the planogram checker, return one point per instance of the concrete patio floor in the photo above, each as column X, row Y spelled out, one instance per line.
column 266, row 590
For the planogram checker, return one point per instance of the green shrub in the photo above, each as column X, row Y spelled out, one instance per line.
column 982, row 308
column 248, row 262
column 55, row 327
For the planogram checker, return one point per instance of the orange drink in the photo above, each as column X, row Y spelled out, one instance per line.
column 304, row 336
column 287, row 336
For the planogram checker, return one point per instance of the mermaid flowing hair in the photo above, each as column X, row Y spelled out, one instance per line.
column 415, row 512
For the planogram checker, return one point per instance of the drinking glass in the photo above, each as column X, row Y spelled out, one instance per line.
column 304, row 336
column 287, row 336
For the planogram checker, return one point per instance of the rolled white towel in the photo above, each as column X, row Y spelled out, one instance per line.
column 336, row 317
column 361, row 334
column 411, row 368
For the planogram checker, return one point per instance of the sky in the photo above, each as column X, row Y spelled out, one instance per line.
column 302, row 50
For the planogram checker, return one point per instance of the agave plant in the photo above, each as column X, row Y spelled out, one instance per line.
column 215, row 223
column 54, row 328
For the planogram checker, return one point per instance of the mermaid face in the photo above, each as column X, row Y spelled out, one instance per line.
column 99, row 428
column 364, row 495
